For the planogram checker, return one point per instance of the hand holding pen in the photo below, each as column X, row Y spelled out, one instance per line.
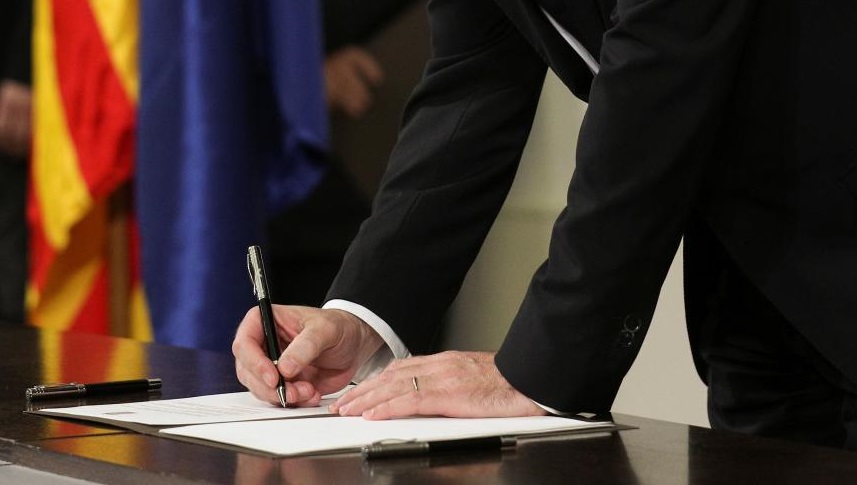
column 325, row 350
column 260, row 287
column 326, row 346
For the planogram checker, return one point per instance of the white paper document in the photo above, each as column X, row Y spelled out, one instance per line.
column 217, row 408
column 240, row 420
column 342, row 434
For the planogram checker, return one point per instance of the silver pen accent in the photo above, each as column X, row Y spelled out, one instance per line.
column 55, row 390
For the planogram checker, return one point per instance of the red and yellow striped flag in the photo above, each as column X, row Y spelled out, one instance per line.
column 85, row 84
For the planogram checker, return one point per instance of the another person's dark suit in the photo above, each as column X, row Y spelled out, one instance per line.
column 15, row 28
column 729, row 123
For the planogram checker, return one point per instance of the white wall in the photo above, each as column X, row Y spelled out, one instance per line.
column 662, row 383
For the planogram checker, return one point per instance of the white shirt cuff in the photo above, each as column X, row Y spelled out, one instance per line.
column 394, row 348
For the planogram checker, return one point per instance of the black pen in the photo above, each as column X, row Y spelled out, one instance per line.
column 74, row 389
column 395, row 449
column 260, row 287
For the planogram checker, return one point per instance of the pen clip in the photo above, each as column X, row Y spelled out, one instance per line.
column 250, row 273
column 257, row 272
column 58, row 390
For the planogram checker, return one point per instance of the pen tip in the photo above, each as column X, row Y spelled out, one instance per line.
column 281, row 392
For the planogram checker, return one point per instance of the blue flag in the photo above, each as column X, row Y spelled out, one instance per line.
column 231, row 127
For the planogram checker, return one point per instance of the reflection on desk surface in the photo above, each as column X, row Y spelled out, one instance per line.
column 14, row 474
column 33, row 356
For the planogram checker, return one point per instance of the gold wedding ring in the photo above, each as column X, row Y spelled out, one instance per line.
column 415, row 383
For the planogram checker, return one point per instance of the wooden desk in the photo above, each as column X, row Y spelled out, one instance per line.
column 656, row 453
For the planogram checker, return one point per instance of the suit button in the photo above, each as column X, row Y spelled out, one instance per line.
column 630, row 326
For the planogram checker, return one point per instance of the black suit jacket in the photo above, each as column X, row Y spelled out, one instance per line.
column 722, row 120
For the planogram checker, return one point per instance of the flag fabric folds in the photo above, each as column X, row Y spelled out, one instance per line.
column 232, row 127
column 85, row 96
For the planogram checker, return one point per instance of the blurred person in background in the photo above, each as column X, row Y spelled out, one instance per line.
column 15, row 101
column 369, row 70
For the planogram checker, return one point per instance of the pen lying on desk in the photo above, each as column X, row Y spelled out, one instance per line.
column 73, row 389
column 395, row 449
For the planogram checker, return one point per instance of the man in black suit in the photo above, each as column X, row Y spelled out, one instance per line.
column 728, row 123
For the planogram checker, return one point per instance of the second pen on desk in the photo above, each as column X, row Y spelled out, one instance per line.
column 260, row 287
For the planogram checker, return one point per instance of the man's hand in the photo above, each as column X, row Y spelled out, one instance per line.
column 455, row 384
column 350, row 74
column 15, row 105
column 324, row 348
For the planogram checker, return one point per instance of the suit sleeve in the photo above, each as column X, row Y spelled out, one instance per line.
column 667, row 70
column 463, row 132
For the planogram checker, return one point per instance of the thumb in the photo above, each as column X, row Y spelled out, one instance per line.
column 304, row 349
